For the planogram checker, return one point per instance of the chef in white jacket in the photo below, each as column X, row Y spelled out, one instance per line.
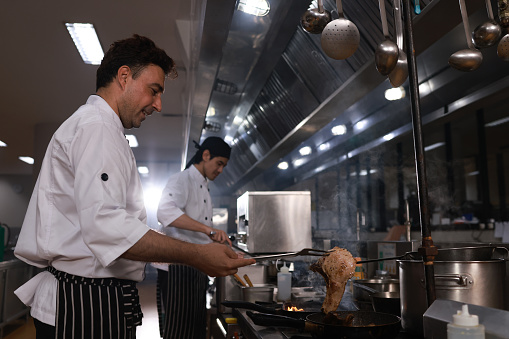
column 86, row 220
column 185, row 212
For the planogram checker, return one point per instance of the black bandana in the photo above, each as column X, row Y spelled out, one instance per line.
column 216, row 146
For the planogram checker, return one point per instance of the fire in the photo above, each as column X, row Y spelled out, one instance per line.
column 293, row 308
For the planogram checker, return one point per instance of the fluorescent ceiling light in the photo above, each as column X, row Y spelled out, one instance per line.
column 497, row 122
column 395, row 93
column 433, row 146
column 254, row 7
column 2, row 144
column 86, row 41
column 472, row 173
column 283, row 165
column 338, row 130
column 133, row 142
column 143, row 169
column 306, row 150
column 28, row 160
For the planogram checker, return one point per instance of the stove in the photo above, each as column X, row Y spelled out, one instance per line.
column 252, row 331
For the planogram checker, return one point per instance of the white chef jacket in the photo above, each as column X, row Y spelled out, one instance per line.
column 86, row 209
column 186, row 192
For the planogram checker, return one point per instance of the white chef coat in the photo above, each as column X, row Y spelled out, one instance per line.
column 186, row 192
column 86, row 209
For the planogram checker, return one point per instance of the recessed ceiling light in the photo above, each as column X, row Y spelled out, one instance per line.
column 306, row 150
column 28, row 160
column 338, row 130
column 2, row 144
column 254, row 7
column 323, row 147
column 229, row 140
column 389, row 136
column 395, row 93
column 86, row 41
column 143, row 169
column 133, row 142
column 283, row 165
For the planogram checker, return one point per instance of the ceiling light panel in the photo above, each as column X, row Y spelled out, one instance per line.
column 86, row 41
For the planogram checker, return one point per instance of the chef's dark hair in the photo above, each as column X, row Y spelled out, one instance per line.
column 136, row 52
column 216, row 146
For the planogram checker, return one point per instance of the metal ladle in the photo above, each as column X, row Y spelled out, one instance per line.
column 400, row 72
column 387, row 52
column 315, row 20
column 466, row 59
column 340, row 38
column 488, row 33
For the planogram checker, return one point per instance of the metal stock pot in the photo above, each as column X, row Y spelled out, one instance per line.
column 474, row 282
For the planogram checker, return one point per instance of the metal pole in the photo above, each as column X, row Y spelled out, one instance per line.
column 427, row 249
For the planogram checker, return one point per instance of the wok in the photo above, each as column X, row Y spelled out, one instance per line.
column 269, row 310
column 365, row 325
column 385, row 302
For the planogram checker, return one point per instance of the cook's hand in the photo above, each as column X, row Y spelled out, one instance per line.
column 219, row 236
column 218, row 260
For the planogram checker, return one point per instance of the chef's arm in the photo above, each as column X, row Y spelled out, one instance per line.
column 188, row 223
column 212, row 259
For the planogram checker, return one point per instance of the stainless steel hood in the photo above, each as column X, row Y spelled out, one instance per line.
column 275, row 89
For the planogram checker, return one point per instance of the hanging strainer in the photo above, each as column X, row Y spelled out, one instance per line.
column 503, row 48
column 340, row 38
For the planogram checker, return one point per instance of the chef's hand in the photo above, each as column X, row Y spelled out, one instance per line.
column 218, row 260
column 219, row 236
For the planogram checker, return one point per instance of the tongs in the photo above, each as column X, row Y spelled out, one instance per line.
column 305, row 251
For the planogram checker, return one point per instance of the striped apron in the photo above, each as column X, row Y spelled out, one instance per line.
column 186, row 313
column 98, row 308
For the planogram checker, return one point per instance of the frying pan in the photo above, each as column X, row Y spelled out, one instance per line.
column 365, row 325
column 386, row 302
column 268, row 310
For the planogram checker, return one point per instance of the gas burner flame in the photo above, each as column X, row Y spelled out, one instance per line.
column 293, row 308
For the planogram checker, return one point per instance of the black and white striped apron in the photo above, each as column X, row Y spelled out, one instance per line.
column 98, row 308
column 186, row 313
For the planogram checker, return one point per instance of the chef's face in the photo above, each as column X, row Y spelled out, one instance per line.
column 212, row 167
column 141, row 96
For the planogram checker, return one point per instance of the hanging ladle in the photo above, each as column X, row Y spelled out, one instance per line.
column 315, row 19
column 488, row 33
column 340, row 38
column 466, row 59
column 400, row 73
column 387, row 52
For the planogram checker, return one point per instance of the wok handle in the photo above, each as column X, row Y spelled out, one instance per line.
column 263, row 319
